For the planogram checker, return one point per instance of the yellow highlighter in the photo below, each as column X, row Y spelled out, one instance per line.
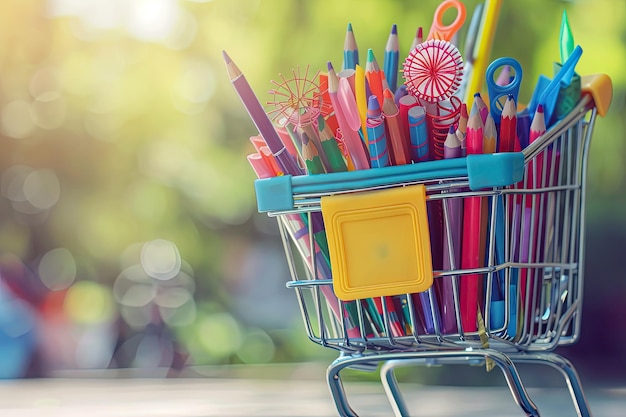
column 482, row 49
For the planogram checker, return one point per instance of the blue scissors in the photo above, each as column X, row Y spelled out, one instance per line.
column 499, row 93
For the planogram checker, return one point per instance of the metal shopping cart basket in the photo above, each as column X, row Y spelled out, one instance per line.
column 517, row 307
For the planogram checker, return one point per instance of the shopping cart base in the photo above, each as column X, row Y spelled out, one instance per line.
column 506, row 363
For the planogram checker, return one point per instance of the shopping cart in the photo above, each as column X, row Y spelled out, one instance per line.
column 530, row 287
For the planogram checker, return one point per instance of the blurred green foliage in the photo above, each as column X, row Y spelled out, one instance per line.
column 125, row 109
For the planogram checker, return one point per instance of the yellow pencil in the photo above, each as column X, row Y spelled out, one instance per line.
column 361, row 100
column 490, row 133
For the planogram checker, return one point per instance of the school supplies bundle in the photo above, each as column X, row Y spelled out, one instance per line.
column 421, row 218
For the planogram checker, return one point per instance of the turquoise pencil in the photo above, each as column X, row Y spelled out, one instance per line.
column 350, row 50
column 392, row 55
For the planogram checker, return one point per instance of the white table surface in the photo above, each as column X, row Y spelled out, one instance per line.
column 290, row 395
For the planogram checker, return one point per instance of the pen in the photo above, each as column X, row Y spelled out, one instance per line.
column 418, row 134
column 379, row 154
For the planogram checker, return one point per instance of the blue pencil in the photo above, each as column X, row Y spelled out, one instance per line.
column 350, row 50
column 392, row 55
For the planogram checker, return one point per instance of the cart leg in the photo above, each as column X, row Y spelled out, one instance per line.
column 566, row 369
column 390, row 383
column 336, row 386
column 505, row 364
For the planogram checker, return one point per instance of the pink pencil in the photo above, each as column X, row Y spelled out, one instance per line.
column 461, row 130
column 351, row 138
column 481, row 106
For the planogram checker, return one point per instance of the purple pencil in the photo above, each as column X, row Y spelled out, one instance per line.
column 259, row 118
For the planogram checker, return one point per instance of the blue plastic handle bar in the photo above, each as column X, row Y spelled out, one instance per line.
column 482, row 171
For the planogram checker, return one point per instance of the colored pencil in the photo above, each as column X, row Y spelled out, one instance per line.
column 329, row 117
column 360, row 95
column 508, row 125
column 491, row 134
column 392, row 56
column 462, row 127
column 453, row 212
column 472, row 226
column 311, row 157
column 419, row 38
column 260, row 118
column 351, row 138
column 504, row 78
column 481, row 106
column 330, row 146
column 350, row 50
column 374, row 77
column 399, row 144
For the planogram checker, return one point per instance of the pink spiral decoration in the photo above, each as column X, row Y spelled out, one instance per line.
column 433, row 70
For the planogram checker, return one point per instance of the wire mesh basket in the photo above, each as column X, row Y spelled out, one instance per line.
column 521, row 302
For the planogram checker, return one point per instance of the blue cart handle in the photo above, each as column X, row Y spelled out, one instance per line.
column 482, row 171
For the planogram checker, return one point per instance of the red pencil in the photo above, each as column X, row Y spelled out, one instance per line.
column 508, row 125
column 472, row 226
column 530, row 242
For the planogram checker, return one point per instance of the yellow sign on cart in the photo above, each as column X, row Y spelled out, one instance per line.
column 379, row 242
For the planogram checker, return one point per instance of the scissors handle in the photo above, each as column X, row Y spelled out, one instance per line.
column 497, row 92
column 446, row 32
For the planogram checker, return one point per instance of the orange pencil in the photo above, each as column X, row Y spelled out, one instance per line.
column 375, row 77
column 331, row 119
column 395, row 132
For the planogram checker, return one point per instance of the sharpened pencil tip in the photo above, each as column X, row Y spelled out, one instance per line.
column 370, row 55
column 394, row 29
column 329, row 65
column 349, row 27
column 540, row 108
column 226, row 57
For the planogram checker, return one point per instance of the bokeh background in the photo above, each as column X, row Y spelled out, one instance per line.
column 129, row 236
